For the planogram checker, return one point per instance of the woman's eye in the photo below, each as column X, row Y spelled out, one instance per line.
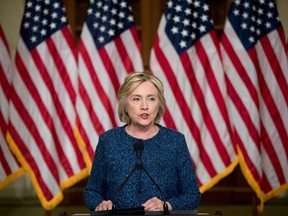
column 136, row 99
column 151, row 99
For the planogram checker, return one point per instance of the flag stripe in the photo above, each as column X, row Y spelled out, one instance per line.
column 33, row 163
column 183, row 106
column 97, row 84
column 201, row 100
column 42, row 108
column 273, row 155
column 109, row 49
column 9, row 166
column 27, row 118
column 277, row 69
column 256, row 67
column 109, row 66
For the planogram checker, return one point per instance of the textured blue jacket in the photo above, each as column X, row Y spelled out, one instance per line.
column 166, row 159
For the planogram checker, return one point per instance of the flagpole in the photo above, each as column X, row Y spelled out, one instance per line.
column 254, row 204
column 48, row 213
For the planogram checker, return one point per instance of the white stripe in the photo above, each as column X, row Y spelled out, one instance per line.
column 67, row 56
column 58, row 85
column 173, row 107
column 238, row 84
column 46, row 98
column 8, row 154
column 103, row 77
column 274, row 88
column 269, row 170
column 274, row 136
column 280, row 51
column 33, row 110
column 64, row 99
column 87, row 124
column 35, row 152
column 133, row 52
column 98, row 108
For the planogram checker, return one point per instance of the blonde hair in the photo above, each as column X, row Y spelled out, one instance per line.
column 131, row 81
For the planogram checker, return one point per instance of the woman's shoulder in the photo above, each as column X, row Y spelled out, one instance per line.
column 117, row 131
column 170, row 131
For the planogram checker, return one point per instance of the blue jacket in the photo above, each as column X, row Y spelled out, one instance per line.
column 166, row 159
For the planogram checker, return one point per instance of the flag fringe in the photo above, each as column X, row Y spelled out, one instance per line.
column 16, row 174
column 83, row 149
column 51, row 204
column 219, row 176
column 255, row 186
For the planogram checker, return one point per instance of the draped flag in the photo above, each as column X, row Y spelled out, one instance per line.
column 9, row 166
column 256, row 68
column 43, row 98
column 109, row 48
column 185, row 56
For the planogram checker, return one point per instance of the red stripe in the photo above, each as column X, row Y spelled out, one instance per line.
column 25, row 152
column 273, row 111
column 210, row 78
column 249, row 163
column 4, row 39
column 135, row 35
column 275, row 66
column 183, row 106
column 57, row 101
column 267, row 96
column 252, row 130
column 222, row 107
column 98, row 127
column 4, row 84
column 168, row 119
column 245, row 114
column 85, row 138
column 125, row 58
column 4, row 164
column 97, row 85
column 25, row 115
column 237, row 64
column 271, row 153
column 46, row 115
column 109, row 66
column 61, row 69
column 3, row 127
column 70, row 41
column 265, row 184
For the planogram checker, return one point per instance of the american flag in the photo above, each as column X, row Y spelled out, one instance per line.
column 186, row 57
column 109, row 49
column 255, row 64
column 43, row 97
column 10, row 168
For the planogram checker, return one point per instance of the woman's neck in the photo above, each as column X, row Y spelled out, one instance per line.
column 142, row 132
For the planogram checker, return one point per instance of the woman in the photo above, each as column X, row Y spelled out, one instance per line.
column 161, row 170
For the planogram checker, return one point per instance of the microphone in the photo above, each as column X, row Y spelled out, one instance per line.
column 139, row 147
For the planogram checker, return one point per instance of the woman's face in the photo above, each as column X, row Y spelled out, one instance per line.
column 143, row 105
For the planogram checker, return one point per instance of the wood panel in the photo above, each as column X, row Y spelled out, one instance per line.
column 147, row 14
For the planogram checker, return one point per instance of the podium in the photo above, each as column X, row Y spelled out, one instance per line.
column 173, row 213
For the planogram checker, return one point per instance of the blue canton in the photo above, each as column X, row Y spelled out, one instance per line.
column 108, row 19
column 253, row 19
column 187, row 21
column 41, row 19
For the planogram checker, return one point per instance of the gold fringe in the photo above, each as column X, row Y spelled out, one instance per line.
column 51, row 204
column 255, row 186
column 83, row 148
column 19, row 172
column 219, row 176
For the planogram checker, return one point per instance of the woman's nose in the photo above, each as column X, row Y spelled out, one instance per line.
column 144, row 105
